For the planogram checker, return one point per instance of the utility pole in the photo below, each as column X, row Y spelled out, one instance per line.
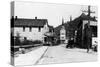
column 89, row 14
column 89, row 33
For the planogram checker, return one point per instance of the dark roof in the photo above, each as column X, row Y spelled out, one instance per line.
column 50, row 27
column 20, row 22
column 78, row 21
column 72, row 25
column 86, row 17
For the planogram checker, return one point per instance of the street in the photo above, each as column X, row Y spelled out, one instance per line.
column 53, row 34
column 55, row 54
column 59, row 54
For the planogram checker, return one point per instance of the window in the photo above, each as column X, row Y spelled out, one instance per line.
column 30, row 29
column 23, row 29
column 50, row 30
column 94, row 31
column 39, row 29
column 62, row 37
column 62, row 34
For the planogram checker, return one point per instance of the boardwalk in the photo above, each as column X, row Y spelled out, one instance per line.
column 30, row 58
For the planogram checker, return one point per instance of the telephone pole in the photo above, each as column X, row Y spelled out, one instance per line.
column 89, row 33
column 89, row 14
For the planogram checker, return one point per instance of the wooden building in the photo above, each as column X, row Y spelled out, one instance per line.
column 84, row 34
column 32, row 29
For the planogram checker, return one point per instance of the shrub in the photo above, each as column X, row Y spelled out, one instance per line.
column 37, row 42
column 29, row 42
column 17, row 41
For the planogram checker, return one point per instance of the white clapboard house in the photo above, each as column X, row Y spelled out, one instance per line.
column 32, row 29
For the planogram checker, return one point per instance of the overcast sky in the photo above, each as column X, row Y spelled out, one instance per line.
column 53, row 12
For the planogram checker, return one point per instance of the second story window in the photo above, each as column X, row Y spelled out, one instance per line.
column 23, row 29
column 30, row 29
column 39, row 29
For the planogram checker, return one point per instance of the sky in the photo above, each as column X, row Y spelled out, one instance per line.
column 54, row 13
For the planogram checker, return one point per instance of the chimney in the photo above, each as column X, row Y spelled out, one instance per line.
column 70, row 18
column 35, row 17
column 16, row 17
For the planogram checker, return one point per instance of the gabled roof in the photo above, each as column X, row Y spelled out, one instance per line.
column 86, row 17
column 50, row 27
column 78, row 21
column 22, row 22
column 72, row 25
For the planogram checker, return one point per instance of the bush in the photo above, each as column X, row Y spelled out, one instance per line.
column 37, row 42
column 28, row 42
column 17, row 41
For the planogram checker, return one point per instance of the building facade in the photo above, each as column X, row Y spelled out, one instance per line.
column 31, row 29
column 62, row 34
column 84, row 33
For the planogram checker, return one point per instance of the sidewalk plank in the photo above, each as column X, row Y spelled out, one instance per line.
column 30, row 58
